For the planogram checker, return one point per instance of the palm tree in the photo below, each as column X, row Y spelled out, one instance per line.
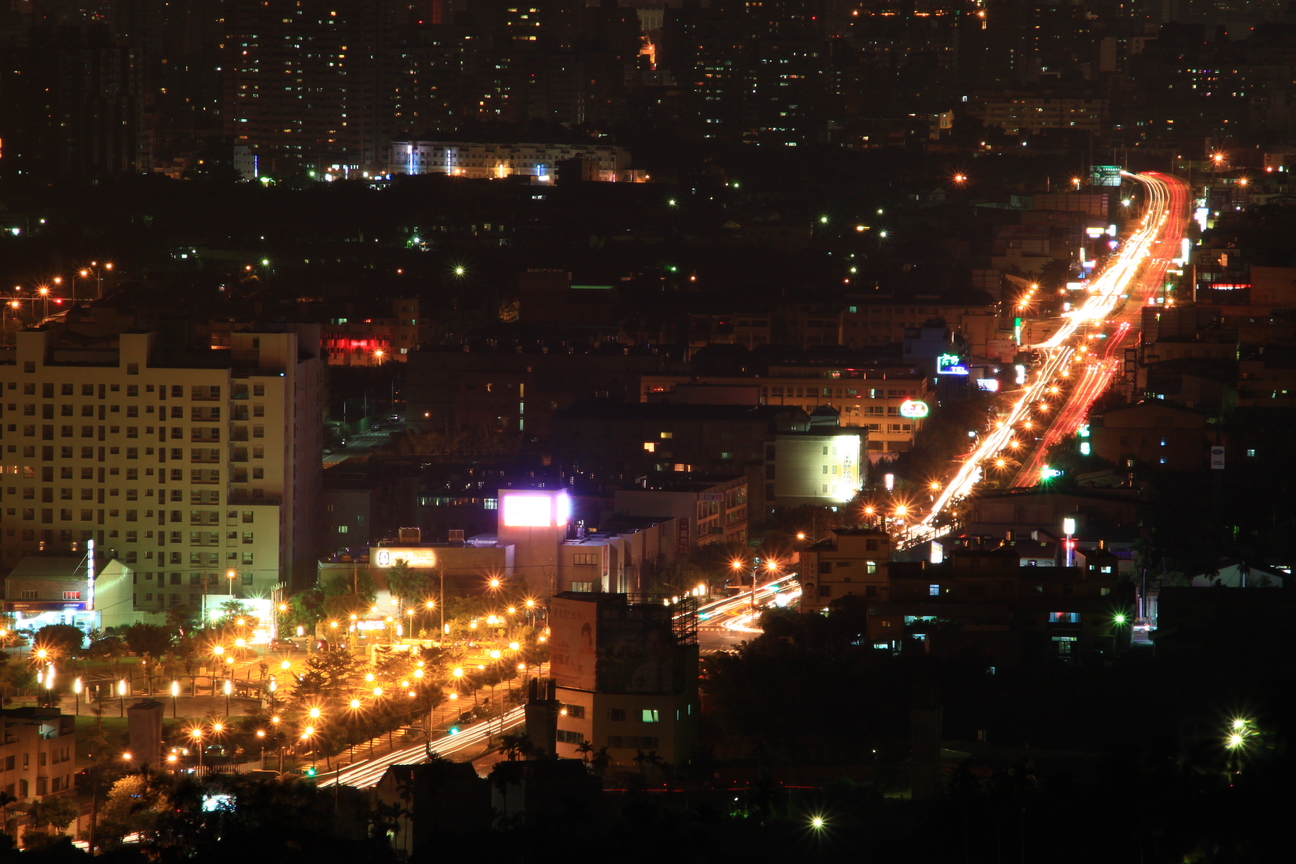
column 513, row 745
column 601, row 761
column 585, row 748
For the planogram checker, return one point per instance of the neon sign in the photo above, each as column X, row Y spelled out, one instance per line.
column 948, row 364
column 914, row 409
column 90, row 575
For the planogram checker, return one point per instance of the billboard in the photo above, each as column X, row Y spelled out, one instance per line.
column 573, row 640
column 534, row 509
column 414, row 556
column 1105, row 175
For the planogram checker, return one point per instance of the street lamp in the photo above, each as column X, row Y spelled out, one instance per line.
column 230, row 574
column 1068, row 528
column 76, row 688
column 175, row 694
column 197, row 735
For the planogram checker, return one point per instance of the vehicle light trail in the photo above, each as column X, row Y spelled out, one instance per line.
column 370, row 771
column 1133, row 275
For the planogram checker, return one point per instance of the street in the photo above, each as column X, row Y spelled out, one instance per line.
column 1114, row 297
column 360, row 445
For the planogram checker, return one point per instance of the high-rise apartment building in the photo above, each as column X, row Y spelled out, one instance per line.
column 309, row 83
column 201, row 474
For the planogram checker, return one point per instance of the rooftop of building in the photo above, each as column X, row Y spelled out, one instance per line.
column 675, row 411
column 687, row 482
column 62, row 568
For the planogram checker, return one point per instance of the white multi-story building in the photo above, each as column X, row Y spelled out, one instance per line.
column 497, row 161
column 200, row 474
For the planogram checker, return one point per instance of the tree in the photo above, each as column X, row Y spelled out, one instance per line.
column 601, row 761
column 54, row 811
column 134, row 805
column 342, row 606
column 5, row 800
column 109, row 648
column 181, row 619
column 14, row 677
column 148, row 641
column 407, row 584
column 585, row 748
column 515, row 744
column 61, row 640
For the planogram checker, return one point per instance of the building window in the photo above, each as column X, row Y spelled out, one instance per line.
column 933, row 590
column 566, row 736
column 649, row 715
column 71, row 595
column 575, row 711
column 27, row 594
column 616, row 715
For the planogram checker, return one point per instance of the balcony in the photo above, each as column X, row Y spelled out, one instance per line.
column 241, row 501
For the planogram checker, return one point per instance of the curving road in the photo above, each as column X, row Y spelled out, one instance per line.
column 1055, row 400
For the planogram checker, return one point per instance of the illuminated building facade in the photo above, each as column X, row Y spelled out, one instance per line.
column 851, row 561
column 866, row 398
column 186, row 471
column 497, row 161
column 814, row 467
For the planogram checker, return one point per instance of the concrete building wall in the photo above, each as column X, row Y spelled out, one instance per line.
column 184, row 473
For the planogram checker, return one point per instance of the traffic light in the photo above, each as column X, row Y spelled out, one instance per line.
column 310, row 772
column 453, row 730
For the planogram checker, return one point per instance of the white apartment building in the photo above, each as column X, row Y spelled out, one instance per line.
column 200, row 475
column 497, row 161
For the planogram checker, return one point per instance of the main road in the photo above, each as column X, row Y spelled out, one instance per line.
column 1114, row 303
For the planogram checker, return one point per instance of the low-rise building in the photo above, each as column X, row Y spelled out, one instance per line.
column 1153, row 433
column 37, row 752
column 626, row 674
column 851, row 561
column 710, row 508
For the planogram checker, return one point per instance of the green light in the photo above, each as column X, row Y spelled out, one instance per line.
column 310, row 772
column 817, row 823
column 265, row 262
column 459, row 271
column 453, row 730
column 673, row 269
column 823, row 220
column 671, row 202
column 1234, row 741
column 1119, row 618
column 1239, row 724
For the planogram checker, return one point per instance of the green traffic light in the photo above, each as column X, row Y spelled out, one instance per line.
column 310, row 772
column 454, row 730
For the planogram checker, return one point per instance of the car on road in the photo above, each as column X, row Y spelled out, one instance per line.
column 284, row 645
